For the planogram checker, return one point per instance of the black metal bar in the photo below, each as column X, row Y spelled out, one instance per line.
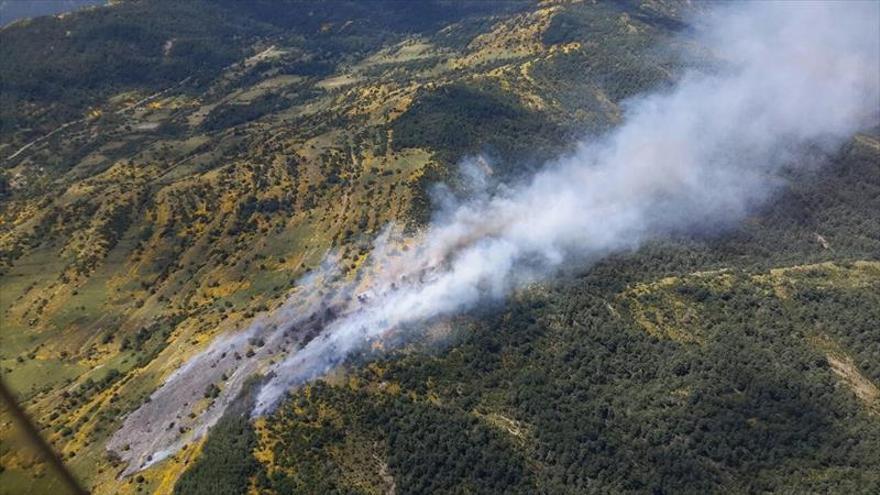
column 39, row 442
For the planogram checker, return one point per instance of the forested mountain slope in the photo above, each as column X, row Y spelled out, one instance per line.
column 170, row 170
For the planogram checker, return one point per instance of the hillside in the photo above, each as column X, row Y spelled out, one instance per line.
column 172, row 170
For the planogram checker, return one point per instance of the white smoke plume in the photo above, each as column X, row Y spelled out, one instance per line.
column 177, row 414
column 702, row 154
column 795, row 73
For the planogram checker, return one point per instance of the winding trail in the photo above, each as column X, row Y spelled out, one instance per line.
column 84, row 119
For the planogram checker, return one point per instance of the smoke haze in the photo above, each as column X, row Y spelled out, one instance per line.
column 697, row 156
column 702, row 154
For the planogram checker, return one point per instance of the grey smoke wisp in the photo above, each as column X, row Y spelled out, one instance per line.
column 701, row 154
column 146, row 436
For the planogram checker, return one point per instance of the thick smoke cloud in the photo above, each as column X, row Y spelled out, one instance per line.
column 703, row 154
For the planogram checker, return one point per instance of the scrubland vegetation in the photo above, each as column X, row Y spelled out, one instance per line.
column 216, row 150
